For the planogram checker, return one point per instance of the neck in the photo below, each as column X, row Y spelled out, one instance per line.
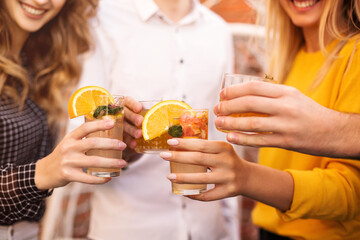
column 311, row 36
column 174, row 9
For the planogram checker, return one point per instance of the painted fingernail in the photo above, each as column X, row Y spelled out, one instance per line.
column 172, row 142
column 165, row 155
column 122, row 145
column 109, row 123
column 171, row 176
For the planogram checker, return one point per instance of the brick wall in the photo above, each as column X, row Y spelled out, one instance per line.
column 233, row 11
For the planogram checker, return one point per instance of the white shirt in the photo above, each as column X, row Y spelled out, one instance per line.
column 143, row 54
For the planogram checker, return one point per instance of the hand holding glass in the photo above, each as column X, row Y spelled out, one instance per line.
column 234, row 79
column 115, row 112
column 192, row 123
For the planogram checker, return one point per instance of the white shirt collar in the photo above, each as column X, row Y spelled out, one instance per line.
column 148, row 8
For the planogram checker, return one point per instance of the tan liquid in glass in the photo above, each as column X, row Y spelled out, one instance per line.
column 115, row 133
column 201, row 132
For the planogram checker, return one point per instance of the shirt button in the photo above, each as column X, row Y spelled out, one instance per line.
column 184, row 205
column 181, row 61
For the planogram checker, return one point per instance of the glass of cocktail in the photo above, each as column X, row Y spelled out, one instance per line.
column 112, row 107
column 192, row 123
column 234, row 79
column 155, row 145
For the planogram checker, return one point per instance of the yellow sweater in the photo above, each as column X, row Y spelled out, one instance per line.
column 326, row 201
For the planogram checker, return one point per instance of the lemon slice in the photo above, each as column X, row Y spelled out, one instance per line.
column 157, row 119
column 86, row 99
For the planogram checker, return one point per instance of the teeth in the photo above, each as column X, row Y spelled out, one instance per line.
column 305, row 4
column 32, row 11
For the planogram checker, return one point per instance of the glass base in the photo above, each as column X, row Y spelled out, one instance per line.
column 187, row 192
column 155, row 151
column 104, row 174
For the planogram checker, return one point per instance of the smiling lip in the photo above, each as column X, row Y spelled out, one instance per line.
column 304, row 5
column 32, row 12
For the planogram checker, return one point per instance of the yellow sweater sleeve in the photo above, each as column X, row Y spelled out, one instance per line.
column 332, row 191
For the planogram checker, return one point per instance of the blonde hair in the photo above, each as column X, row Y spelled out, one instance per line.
column 284, row 39
column 50, row 56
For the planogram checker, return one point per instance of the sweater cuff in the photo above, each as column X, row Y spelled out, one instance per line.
column 305, row 187
column 26, row 182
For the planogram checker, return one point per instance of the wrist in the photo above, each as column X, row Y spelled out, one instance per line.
column 40, row 179
column 245, row 177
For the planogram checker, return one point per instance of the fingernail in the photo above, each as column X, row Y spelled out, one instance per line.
column 230, row 137
column 122, row 163
column 220, row 121
column 171, row 176
column 172, row 142
column 122, row 145
column 165, row 154
column 139, row 121
column 216, row 109
column 133, row 144
column 109, row 123
column 222, row 94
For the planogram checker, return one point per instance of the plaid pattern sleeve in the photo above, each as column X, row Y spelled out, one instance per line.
column 24, row 139
column 19, row 197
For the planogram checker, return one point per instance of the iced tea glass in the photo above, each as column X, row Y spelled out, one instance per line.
column 234, row 79
column 192, row 123
column 115, row 112
column 155, row 145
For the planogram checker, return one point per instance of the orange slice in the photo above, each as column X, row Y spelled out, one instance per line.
column 156, row 120
column 86, row 99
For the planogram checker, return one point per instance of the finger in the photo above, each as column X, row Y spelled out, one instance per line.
column 195, row 158
column 199, row 145
column 129, row 141
column 133, row 118
column 213, row 194
column 132, row 130
column 257, row 88
column 132, row 111
column 100, row 143
column 90, row 127
column 256, row 140
column 132, row 104
column 248, row 124
column 247, row 104
column 197, row 178
column 98, row 162
column 89, row 179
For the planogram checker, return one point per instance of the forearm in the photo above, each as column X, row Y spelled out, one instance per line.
column 269, row 186
column 345, row 136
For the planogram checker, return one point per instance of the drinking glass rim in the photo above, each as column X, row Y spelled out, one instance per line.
column 243, row 75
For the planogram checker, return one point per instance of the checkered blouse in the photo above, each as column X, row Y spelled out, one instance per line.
column 24, row 139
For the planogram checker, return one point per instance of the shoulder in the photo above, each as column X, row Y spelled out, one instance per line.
column 211, row 17
column 112, row 11
column 351, row 46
